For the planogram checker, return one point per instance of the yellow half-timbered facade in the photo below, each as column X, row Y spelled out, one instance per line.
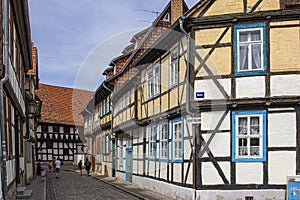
column 209, row 108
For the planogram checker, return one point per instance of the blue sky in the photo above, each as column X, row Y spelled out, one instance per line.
column 76, row 40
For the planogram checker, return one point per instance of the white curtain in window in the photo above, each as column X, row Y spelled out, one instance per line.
column 256, row 50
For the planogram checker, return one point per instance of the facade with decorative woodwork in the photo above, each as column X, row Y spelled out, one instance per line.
column 209, row 109
column 97, row 131
column 60, row 129
column 17, row 160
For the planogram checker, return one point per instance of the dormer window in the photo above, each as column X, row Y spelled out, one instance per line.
column 167, row 17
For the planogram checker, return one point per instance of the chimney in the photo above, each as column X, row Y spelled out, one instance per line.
column 176, row 10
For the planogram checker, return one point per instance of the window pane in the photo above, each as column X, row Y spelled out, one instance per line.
column 243, row 126
column 243, row 150
column 254, row 125
column 243, row 36
column 243, row 62
column 254, row 151
column 256, row 56
column 254, row 142
column 255, row 35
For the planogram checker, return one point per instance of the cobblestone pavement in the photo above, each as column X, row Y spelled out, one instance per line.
column 71, row 185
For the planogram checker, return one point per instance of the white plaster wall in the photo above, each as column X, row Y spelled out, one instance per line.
column 285, row 85
column 220, row 144
column 211, row 175
column 210, row 89
column 167, row 189
column 249, row 173
column 240, row 194
column 163, row 170
column 120, row 175
column 135, row 166
column 281, row 165
column 151, row 168
column 209, row 120
column 282, row 130
column 177, row 172
column 187, row 148
column 250, row 87
column 190, row 173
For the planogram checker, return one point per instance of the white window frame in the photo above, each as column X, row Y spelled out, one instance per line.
column 163, row 140
column 249, row 45
column 242, row 137
column 153, row 81
column 121, row 153
column 106, row 144
column 248, row 136
column 152, row 136
column 177, row 140
column 173, row 67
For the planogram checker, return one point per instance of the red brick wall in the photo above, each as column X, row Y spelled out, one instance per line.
column 176, row 9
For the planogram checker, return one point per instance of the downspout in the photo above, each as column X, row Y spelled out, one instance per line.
column 2, row 81
column 187, row 107
column 86, row 110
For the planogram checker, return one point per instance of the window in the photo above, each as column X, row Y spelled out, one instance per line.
column 121, row 149
column 152, row 141
column 163, row 140
column 250, row 49
column 153, row 81
column 177, row 140
column 105, row 144
column 173, row 68
column 249, row 136
column 167, row 17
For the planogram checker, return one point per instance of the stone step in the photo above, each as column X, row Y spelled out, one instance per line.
column 26, row 195
column 21, row 190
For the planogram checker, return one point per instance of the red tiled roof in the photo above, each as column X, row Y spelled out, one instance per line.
column 62, row 105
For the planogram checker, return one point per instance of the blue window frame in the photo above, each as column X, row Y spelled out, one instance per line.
column 250, row 49
column 163, row 132
column 177, row 140
column 249, row 136
column 152, row 137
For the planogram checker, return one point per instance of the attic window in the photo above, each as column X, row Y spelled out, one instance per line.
column 292, row 3
column 166, row 17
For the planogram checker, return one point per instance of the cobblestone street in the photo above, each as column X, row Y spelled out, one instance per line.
column 71, row 185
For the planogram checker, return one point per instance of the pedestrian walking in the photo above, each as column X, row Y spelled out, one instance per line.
column 87, row 166
column 39, row 167
column 80, row 167
column 43, row 172
column 57, row 167
column 50, row 166
column 53, row 164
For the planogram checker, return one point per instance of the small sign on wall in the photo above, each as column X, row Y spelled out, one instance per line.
column 200, row 95
column 293, row 187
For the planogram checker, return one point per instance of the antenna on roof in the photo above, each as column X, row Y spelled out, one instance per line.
column 144, row 21
column 149, row 11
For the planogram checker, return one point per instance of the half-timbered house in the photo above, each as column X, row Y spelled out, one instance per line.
column 60, row 128
column 135, row 108
column 15, row 62
column 213, row 111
